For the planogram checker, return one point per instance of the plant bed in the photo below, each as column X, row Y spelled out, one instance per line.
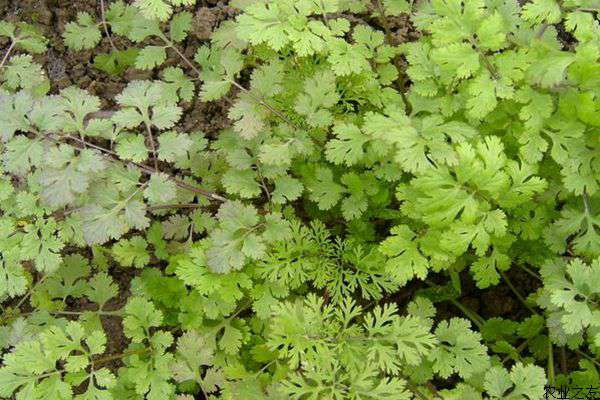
column 310, row 199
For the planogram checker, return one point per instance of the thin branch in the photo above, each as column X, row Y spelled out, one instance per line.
column 263, row 184
column 30, row 292
column 472, row 315
column 488, row 65
column 106, row 359
column 263, row 103
column 169, row 206
column 550, row 363
column 586, row 203
column 384, row 21
column 325, row 17
column 260, row 101
column 152, row 145
column 563, row 361
column 588, row 357
column 519, row 349
column 516, row 292
column 105, row 25
column 530, row 272
column 144, row 168
column 401, row 82
column 415, row 390
column 117, row 313
column 7, row 54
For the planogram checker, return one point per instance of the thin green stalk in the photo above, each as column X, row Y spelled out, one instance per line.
column 551, row 374
column 472, row 315
column 588, row 357
column 529, row 271
column 517, row 293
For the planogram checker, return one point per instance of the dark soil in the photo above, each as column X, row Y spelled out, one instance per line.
column 66, row 68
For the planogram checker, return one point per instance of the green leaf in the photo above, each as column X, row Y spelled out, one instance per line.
column 347, row 148
column 287, row 189
column 523, row 382
column 83, row 34
column 7, row 29
column 101, row 289
column 132, row 252
column 231, row 340
column 173, row 145
column 140, row 316
column 460, row 351
column 405, row 260
column 179, row 83
column 491, row 33
column 150, row 57
column 42, row 245
column 165, row 116
column 154, row 9
column 540, row 11
column 13, row 281
column 324, row 190
column 132, row 147
column 22, row 72
column 458, row 61
column 242, row 183
column 396, row 7
column 117, row 61
column 30, row 39
column 181, row 24
column 234, row 241
column 160, row 189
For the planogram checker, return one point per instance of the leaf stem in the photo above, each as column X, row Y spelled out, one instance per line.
column 260, row 101
column 563, row 361
column 517, row 293
column 117, row 313
column 586, row 203
column 488, row 65
column 30, row 292
column 106, row 359
column 401, row 82
column 7, row 54
column 472, row 315
column 152, row 145
column 587, row 356
column 519, row 349
column 529, row 271
column 266, row 105
column 550, row 363
column 144, row 168
column 105, row 25
column 169, row 206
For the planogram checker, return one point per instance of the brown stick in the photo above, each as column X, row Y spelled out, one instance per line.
column 152, row 145
column 105, row 25
column 233, row 82
column 10, row 49
column 401, row 82
column 144, row 168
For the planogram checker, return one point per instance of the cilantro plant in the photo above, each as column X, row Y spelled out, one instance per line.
column 372, row 187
